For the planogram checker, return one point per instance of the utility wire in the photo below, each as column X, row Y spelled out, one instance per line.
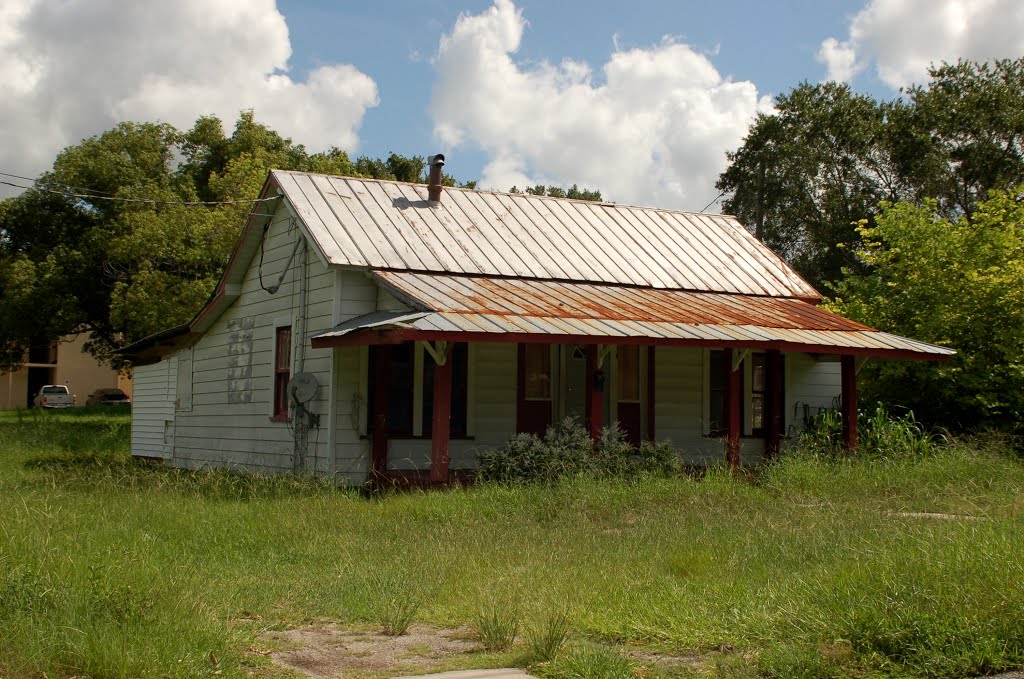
column 713, row 200
column 147, row 201
column 36, row 180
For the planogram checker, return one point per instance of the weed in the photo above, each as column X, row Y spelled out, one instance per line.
column 592, row 662
column 546, row 639
column 398, row 600
column 497, row 623
column 881, row 435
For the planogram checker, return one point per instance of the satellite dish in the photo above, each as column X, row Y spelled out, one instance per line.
column 303, row 387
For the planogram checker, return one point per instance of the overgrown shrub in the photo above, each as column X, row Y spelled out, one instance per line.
column 880, row 435
column 567, row 450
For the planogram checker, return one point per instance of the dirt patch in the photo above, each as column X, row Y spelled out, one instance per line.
column 327, row 650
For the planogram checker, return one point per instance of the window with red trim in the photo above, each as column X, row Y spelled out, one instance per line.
column 402, row 373
column 282, row 370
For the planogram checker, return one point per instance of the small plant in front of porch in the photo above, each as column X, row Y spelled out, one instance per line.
column 567, row 451
column 880, row 435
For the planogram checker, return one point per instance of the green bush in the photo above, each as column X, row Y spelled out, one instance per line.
column 567, row 451
column 881, row 435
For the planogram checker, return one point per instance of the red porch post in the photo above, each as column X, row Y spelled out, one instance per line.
column 381, row 387
column 650, row 393
column 594, row 406
column 773, row 416
column 441, row 422
column 849, row 402
column 732, row 410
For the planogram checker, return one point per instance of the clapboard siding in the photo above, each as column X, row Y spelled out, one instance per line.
column 812, row 385
column 233, row 428
column 153, row 408
column 679, row 404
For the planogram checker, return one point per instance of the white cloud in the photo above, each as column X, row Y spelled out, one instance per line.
column 653, row 129
column 839, row 58
column 901, row 38
column 73, row 69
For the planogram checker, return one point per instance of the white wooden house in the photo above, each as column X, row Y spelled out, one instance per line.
column 436, row 322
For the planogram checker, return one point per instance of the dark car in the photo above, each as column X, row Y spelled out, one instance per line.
column 108, row 397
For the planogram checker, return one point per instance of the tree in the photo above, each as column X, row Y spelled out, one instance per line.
column 553, row 191
column 81, row 252
column 826, row 157
column 806, row 173
column 956, row 282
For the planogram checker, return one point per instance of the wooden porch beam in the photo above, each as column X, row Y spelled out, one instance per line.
column 372, row 337
column 441, row 423
column 733, row 394
column 848, row 405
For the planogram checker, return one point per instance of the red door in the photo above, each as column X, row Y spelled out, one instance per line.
column 533, row 412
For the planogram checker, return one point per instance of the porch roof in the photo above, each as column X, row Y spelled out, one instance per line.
column 496, row 309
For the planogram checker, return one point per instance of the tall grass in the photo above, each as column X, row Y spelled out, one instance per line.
column 880, row 435
column 822, row 566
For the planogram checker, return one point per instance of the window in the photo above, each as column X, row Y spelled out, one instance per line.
column 537, row 372
column 758, row 381
column 718, row 380
column 402, row 398
column 282, row 371
column 755, row 383
column 460, row 382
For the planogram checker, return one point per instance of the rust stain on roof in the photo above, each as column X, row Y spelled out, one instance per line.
column 557, row 299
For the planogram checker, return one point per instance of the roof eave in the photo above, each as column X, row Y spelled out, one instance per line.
column 384, row 335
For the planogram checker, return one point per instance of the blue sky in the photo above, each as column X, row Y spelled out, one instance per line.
column 772, row 44
column 641, row 101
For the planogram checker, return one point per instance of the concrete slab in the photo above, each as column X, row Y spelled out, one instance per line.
column 506, row 673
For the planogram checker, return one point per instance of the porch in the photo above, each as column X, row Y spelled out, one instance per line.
column 597, row 352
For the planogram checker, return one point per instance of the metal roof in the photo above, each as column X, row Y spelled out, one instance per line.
column 391, row 225
column 499, row 309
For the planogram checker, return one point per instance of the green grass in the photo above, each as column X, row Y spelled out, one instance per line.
column 112, row 568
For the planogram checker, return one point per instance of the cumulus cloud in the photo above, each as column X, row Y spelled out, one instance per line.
column 901, row 38
column 652, row 127
column 72, row 69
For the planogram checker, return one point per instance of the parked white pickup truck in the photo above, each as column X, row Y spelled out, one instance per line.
column 54, row 396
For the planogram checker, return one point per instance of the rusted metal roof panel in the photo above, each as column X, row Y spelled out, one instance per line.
column 496, row 307
column 558, row 299
column 392, row 226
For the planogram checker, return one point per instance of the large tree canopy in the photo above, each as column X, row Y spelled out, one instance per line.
column 807, row 173
column 77, row 253
column 957, row 282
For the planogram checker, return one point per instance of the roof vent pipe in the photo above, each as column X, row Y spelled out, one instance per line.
column 435, row 163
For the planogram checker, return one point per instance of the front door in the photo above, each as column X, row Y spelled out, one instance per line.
column 535, row 388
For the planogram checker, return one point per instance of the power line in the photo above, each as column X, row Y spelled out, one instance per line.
column 147, row 201
column 713, row 201
column 36, row 180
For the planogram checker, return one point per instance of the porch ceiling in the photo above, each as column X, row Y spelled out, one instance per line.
column 489, row 309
